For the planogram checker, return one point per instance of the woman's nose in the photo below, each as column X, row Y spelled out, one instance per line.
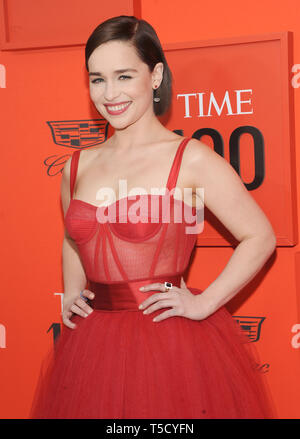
column 111, row 91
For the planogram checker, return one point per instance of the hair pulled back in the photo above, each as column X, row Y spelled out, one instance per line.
column 148, row 47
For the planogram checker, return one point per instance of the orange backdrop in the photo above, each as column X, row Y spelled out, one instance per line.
column 48, row 84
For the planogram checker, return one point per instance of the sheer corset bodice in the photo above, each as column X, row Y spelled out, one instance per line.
column 134, row 238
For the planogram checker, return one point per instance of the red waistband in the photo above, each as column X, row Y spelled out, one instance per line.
column 125, row 295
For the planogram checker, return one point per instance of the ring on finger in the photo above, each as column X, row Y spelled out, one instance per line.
column 168, row 286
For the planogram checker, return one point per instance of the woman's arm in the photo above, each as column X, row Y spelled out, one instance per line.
column 74, row 277
column 227, row 198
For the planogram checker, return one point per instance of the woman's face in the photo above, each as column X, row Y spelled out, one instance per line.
column 121, row 97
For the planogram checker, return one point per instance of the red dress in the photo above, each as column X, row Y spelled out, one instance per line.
column 117, row 362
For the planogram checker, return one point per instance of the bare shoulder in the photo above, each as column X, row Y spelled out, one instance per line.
column 65, row 185
column 66, row 170
column 197, row 152
column 65, row 181
column 225, row 194
column 87, row 155
column 204, row 164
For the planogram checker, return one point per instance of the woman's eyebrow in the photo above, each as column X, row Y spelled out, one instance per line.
column 116, row 71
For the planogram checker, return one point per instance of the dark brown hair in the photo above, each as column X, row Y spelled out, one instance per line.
column 146, row 42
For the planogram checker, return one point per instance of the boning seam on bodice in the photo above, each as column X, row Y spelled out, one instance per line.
column 158, row 249
column 114, row 252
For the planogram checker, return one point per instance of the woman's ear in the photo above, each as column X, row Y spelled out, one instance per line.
column 157, row 74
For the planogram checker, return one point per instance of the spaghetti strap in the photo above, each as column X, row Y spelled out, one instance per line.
column 176, row 164
column 73, row 170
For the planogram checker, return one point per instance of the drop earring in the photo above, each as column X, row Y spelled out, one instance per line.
column 155, row 98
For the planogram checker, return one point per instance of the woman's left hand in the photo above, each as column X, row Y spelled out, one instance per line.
column 181, row 300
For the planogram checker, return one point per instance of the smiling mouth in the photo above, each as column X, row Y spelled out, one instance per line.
column 117, row 109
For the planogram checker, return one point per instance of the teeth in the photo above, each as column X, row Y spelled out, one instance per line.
column 118, row 107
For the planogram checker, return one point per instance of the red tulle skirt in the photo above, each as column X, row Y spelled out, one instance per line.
column 119, row 364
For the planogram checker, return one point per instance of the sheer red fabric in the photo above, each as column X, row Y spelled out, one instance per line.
column 117, row 362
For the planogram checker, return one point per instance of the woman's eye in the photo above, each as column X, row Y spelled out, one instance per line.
column 95, row 81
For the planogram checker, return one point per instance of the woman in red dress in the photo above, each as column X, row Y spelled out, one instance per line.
column 137, row 342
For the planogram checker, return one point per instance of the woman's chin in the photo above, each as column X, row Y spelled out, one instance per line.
column 119, row 124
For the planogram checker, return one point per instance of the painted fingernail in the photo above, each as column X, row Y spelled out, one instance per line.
column 142, row 288
column 145, row 312
column 141, row 306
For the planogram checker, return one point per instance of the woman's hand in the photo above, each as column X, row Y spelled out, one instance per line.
column 76, row 305
column 183, row 302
